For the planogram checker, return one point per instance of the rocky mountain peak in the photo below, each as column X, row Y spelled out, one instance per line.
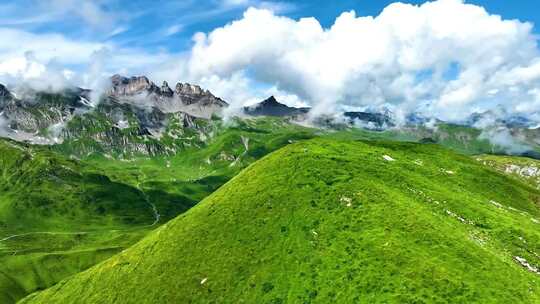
column 189, row 89
column 272, row 101
column 271, row 107
column 4, row 91
column 186, row 97
column 131, row 86
column 166, row 90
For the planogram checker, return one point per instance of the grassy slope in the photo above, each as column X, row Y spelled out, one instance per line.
column 176, row 183
column 45, row 192
column 522, row 168
column 330, row 221
column 57, row 219
column 461, row 139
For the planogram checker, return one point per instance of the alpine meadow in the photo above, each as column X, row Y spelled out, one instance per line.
column 288, row 151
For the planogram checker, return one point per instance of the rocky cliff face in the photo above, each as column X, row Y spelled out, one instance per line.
column 187, row 98
column 4, row 93
column 116, row 126
column 123, row 86
column 29, row 118
column 5, row 97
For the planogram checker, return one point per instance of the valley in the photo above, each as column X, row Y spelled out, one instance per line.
column 409, row 227
column 269, row 152
column 85, row 186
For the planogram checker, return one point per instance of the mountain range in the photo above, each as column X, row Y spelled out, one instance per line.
column 135, row 116
column 148, row 195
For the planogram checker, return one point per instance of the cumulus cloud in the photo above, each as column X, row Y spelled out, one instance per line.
column 42, row 61
column 52, row 61
column 445, row 58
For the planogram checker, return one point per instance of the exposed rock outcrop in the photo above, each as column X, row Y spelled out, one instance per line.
column 271, row 107
column 123, row 86
column 166, row 90
column 376, row 121
column 186, row 97
column 114, row 126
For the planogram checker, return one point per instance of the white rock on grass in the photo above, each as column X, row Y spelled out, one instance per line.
column 496, row 204
column 526, row 264
column 449, row 172
column 346, row 200
column 388, row 158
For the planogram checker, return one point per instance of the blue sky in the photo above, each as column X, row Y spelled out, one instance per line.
column 428, row 56
column 169, row 24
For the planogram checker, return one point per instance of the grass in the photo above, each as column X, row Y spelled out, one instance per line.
column 522, row 168
column 107, row 198
column 327, row 220
column 94, row 208
column 58, row 218
column 462, row 139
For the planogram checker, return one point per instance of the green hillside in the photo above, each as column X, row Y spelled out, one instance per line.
column 522, row 168
column 59, row 216
column 41, row 189
column 327, row 221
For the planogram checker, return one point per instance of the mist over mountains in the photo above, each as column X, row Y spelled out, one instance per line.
column 135, row 114
column 409, row 59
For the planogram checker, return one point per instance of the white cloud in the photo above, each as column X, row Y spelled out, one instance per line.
column 45, row 47
column 117, row 31
column 173, row 29
column 53, row 61
column 21, row 67
column 445, row 58
column 369, row 61
column 235, row 2
column 91, row 11
column 274, row 6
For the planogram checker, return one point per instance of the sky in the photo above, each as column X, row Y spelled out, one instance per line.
column 448, row 58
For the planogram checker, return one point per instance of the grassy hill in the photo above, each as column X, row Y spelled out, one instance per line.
column 59, row 216
column 41, row 189
column 332, row 221
column 522, row 168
